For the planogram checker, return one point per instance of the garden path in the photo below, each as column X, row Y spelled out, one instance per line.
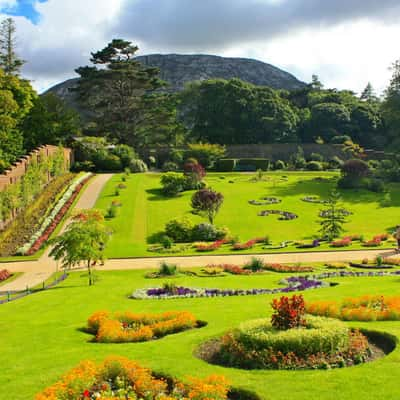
column 36, row 272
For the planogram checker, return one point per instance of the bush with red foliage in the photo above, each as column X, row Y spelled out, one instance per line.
column 346, row 241
column 4, row 275
column 288, row 312
column 245, row 246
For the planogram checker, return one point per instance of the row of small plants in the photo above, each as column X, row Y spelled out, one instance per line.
column 121, row 378
column 290, row 340
column 374, row 242
column 4, row 275
column 131, row 327
column 21, row 229
column 365, row 308
column 55, row 216
column 172, row 291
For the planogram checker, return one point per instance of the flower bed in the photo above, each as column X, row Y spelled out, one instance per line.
column 204, row 246
column 365, row 308
column 265, row 201
column 342, row 211
column 244, row 246
column 4, row 275
column 54, row 218
column 314, row 199
column 287, row 268
column 370, row 266
column 130, row 327
column 337, row 265
column 118, row 377
column 284, row 215
column 292, row 284
column 345, row 242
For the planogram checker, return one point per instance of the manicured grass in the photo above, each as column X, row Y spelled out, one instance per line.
column 42, row 339
column 145, row 211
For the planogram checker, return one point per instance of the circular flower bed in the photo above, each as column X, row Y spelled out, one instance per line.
column 169, row 291
column 365, row 308
column 265, row 201
column 290, row 340
column 284, row 215
column 314, row 199
column 130, row 327
column 120, row 378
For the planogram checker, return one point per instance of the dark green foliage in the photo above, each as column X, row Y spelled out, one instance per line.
column 252, row 164
column 50, row 121
column 340, row 139
column 314, row 166
column 279, row 164
column 179, row 230
column 354, row 173
column 255, row 264
column 226, row 165
column 376, row 185
column 316, row 157
column 138, row 166
column 206, row 154
column 167, row 269
column 170, row 166
column 173, row 183
column 208, row 232
column 10, row 63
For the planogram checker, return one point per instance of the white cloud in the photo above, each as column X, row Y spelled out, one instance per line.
column 7, row 4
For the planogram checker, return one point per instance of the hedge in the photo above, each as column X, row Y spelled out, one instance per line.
column 252, row 164
column 226, row 164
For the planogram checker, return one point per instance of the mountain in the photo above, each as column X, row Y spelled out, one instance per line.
column 178, row 69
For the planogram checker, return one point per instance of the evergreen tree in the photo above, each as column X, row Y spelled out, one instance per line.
column 120, row 95
column 332, row 218
column 9, row 60
column 316, row 84
column 368, row 94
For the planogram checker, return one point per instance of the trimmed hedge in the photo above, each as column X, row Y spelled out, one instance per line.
column 242, row 164
column 320, row 335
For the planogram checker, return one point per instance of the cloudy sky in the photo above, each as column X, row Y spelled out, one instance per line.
column 346, row 42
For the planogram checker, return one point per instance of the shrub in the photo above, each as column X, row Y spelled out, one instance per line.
column 355, row 169
column 172, row 183
column 107, row 162
column 179, row 230
column 170, row 166
column 207, row 154
column 340, row 139
column 316, row 157
column 112, row 211
column 4, row 275
column 288, row 312
column 166, row 242
column 376, row 185
column 226, row 165
column 335, row 162
column 255, row 264
column 137, row 166
column 207, row 232
column 314, row 166
column 279, row 164
column 167, row 269
column 194, row 173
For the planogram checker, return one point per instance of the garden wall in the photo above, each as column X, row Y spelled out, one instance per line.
column 18, row 169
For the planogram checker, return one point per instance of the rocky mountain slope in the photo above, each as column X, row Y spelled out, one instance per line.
column 178, row 69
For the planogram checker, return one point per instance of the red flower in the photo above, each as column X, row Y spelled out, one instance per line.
column 86, row 394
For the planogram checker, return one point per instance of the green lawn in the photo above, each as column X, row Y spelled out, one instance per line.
column 145, row 211
column 41, row 337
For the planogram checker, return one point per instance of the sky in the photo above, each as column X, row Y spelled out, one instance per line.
column 347, row 43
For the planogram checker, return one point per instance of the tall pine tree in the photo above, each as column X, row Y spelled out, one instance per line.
column 9, row 60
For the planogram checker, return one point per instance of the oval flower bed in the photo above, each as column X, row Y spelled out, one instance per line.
column 365, row 308
column 314, row 199
column 265, row 201
column 131, row 327
column 121, row 378
column 290, row 340
column 56, row 215
column 170, row 291
column 284, row 215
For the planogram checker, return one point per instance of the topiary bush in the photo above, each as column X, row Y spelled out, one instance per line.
column 207, row 232
column 314, row 166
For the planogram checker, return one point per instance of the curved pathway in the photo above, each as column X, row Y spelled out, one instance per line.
column 36, row 272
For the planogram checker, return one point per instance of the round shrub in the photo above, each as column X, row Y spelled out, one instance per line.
column 335, row 162
column 169, row 166
column 279, row 164
column 320, row 335
column 138, row 166
column 355, row 169
column 173, row 183
column 207, row 232
column 316, row 157
column 314, row 166
column 376, row 185
column 179, row 230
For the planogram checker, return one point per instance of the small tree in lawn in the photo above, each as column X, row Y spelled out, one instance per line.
column 83, row 240
column 207, row 202
column 332, row 218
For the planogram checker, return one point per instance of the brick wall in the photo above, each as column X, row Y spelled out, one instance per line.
column 17, row 170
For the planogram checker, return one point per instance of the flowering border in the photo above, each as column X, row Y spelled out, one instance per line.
column 54, row 218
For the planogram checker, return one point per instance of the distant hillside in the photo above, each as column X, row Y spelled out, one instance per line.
column 178, row 69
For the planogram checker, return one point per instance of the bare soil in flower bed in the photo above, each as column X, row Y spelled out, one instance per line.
column 380, row 343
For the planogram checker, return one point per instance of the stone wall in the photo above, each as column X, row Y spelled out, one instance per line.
column 18, row 169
